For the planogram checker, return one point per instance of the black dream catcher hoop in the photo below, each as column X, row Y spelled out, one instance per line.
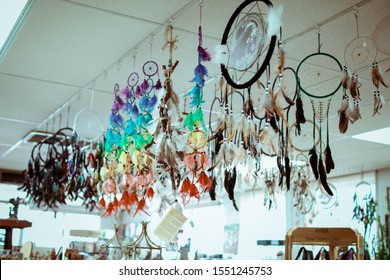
column 245, row 39
column 318, row 76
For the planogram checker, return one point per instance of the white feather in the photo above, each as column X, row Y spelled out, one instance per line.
column 274, row 20
column 220, row 55
column 381, row 99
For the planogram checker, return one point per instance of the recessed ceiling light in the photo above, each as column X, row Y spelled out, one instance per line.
column 378, row 136
column 12, row 14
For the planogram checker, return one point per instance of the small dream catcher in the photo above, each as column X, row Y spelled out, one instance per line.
column 318, row 76
column 248, row 42
column 360, row 52
column 196, row 161
column 88, row 124
column 359, row 55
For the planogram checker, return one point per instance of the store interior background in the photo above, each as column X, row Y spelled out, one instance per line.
column 66, row 48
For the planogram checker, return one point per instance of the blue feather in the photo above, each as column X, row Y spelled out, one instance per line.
column 196, row 94
column 200, row 73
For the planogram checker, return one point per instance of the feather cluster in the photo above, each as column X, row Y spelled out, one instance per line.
column 274, row 20
column 345, row 81
column 221, row 55
column 344, row 115
column 200, row 72
column 376, row 76
column 329, row 163
column 299, row 115
column 378, row 103
column 229, row 183
column 354, row 111
column 314, row 162
column 323, row 177
column 354, row 86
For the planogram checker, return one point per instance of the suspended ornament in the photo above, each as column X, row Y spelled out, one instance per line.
column 248, row 42
column 320, row 84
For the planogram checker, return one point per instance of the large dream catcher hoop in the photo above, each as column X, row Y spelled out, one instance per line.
column 248, row 42
column 318, row 76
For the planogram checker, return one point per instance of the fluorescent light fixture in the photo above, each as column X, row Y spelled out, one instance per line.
column 12, row 14
column 381, row 136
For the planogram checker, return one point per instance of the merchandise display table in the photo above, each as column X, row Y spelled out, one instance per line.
column 9, row 225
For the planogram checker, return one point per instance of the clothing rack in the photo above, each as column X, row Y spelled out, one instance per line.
column 332, row 237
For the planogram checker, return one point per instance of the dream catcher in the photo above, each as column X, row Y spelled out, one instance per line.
column 113, row 149
column 227, row 142
column 324, row 199
column 130, row 92
column 359, row 54
column 88, row 124
column 167, row 151
column 303, row 198
column 361, row 198
column 318, row 76
column 147, row 103
column 56, row 172
column 284, row 90
column 248, row 42
column 196, row 161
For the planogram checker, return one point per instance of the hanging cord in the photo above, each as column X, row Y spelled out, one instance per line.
column 52, row 125
column 151, row 41
column 60, row 122
column 319, row 38
column 67, row 118
column 118, row 69
column 201, row 4
column 92, row 95
column 134, row 55
column 357, row 21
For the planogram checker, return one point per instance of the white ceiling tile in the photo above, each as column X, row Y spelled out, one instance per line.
column 71, row 44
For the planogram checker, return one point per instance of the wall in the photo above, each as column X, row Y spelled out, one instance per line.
column 382, row 183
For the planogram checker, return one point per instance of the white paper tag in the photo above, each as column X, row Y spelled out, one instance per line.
column 170, row 225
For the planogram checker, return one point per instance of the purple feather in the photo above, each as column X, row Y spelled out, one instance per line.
column 116, row 120
column 138, row 92
column 135, row 112
column 115, row 107
column 119, row 102
column 125, row 91
column 144, row 86
column 204, row 55
column 200, row 73
column 158, row 85
column 128, row 107
column 200, row 37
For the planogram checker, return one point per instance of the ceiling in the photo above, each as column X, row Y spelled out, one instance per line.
column 66, row 48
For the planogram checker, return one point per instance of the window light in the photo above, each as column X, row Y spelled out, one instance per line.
column 12, row 14
column 378, row 136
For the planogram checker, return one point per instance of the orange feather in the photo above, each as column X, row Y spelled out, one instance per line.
column 141, row 207
column 204, row 181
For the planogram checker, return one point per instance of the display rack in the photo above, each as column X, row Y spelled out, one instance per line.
column 90, row 247
column 332, row 237
column 9, row 225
